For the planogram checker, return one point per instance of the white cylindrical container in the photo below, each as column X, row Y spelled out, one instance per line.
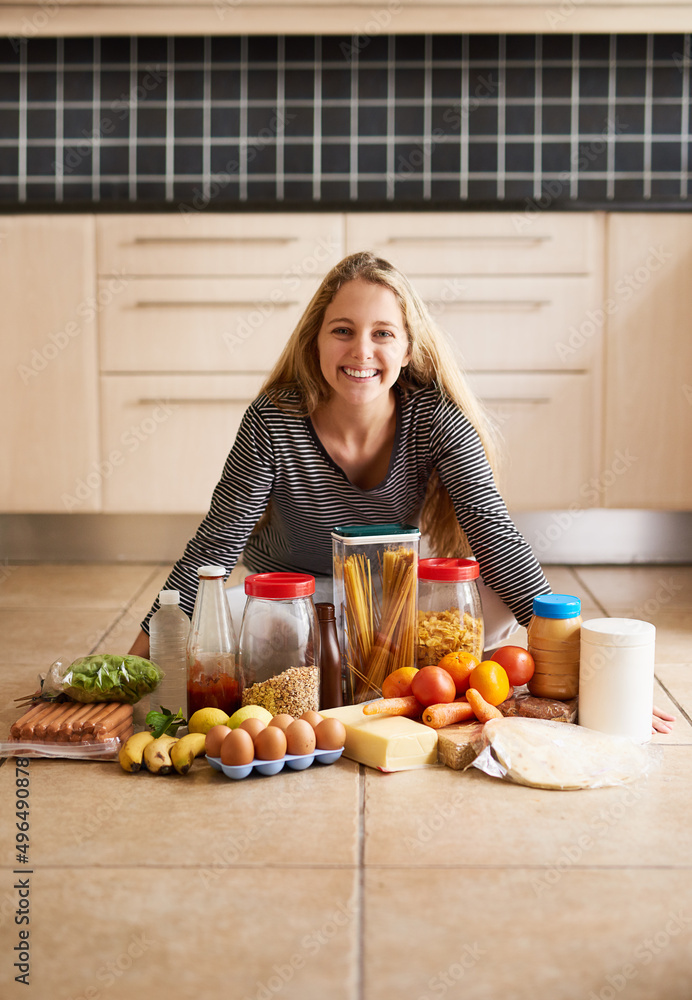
column 616, row 677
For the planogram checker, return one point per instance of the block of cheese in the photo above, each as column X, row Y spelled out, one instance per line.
column 390, row 743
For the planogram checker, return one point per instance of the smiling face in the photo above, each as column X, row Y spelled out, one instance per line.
column 362, row 343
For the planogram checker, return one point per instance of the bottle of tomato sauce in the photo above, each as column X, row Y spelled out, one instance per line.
column 212, row 674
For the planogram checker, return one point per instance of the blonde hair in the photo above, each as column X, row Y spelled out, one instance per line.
column 432, row 362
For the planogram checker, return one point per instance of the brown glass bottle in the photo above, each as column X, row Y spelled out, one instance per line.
column 331, row 695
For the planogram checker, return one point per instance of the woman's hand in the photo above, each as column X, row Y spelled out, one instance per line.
column 140, row 647
column 662, row 722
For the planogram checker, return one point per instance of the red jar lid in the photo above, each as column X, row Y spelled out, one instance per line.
column 448, row 569
column 279, row 586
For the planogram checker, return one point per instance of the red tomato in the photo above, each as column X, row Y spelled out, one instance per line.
column 518, row 664
column 433, row 686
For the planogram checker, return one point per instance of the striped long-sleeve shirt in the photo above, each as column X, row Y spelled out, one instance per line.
column 278, row 456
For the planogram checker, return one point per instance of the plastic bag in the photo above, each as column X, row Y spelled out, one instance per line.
column 529, row 707
column 108, row 750
column 103, row 677
column 65, row 728
column 548, row 754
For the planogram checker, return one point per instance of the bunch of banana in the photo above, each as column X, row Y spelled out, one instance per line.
column 162, row 755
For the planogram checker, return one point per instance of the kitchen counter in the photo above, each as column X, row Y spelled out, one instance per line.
column 339, row 881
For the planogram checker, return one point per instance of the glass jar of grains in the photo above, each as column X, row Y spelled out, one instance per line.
column 450, row 617
column 280, row 644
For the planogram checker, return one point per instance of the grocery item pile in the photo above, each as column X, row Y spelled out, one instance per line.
column 415, row 690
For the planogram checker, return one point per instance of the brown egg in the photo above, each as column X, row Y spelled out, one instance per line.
column 300, row 737
column 215, row 737
column 270, row 744
column 314, row 718
column 237, row 749
column 330, row 735
column 252, row 726
column 282, row 721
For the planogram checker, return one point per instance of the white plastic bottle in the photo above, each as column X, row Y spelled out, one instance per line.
column 168, row 632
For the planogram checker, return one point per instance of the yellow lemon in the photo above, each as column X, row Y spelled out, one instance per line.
column 249, row 712
column 205, row 719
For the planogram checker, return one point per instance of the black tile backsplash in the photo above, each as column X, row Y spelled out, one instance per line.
column 412, row 119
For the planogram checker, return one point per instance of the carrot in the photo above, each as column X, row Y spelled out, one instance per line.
column 482, row 710
column 437, row 716
column 408, row 706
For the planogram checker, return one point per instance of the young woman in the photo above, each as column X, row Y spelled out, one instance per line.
column 366, row 418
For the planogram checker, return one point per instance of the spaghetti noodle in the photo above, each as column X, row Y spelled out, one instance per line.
column 381, row 634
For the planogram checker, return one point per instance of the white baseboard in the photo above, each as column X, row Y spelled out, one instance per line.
column 584, row 537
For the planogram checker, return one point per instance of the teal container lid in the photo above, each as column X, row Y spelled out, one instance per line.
column 556, row 606
column 374, row 530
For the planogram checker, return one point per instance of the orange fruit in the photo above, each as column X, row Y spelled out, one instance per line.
column 398, row 683
column 459, row 665
column 491, row 682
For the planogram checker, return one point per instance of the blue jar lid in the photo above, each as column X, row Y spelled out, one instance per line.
column 556, row 606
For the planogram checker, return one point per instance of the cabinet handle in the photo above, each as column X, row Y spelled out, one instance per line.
column 191, row 399
column 516, row 399
column 193, row 304
column 276, row 240
column 518, row 305
column 472, row 238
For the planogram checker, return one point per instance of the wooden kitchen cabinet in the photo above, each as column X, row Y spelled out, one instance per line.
column 549, row 427
column 428, row 244
column 512, row 294
column 198, row 324
column 648, row 380
column 208, row 303
column 49, row 455
column 288, row 246
column 166, row 438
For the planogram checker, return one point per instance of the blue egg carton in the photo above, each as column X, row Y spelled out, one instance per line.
column 297, row 762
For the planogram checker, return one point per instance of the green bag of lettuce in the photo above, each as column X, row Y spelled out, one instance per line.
column 104, row 677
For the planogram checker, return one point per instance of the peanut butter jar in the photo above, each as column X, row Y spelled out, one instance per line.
column 554, row 642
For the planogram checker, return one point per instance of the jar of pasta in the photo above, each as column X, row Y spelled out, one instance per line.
column 450, row 618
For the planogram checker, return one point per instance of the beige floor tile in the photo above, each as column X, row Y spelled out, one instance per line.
column 109, row 585
column 122, row 632
column 640, row 590
column 40, row 636
column 444, row 817
column 682, row 730
column 143, row 602
column 564, row 580
column 482, row 935
column 673, row 636
column 677, row 678
column 104, row 816
column 160, row 933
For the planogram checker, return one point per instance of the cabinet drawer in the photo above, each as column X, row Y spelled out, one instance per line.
column 200, row 324
column 516, row 322
column 434, row 243
column 549, row 425
column 297, row 245
column 165, row 438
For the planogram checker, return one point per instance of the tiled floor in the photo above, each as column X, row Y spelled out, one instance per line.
column 342, row 882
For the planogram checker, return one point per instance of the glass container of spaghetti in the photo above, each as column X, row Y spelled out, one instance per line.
column 375, row 596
